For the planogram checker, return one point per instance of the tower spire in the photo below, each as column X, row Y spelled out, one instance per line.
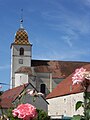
column 21, row 19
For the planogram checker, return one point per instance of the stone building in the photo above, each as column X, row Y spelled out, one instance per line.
column 63, row 98
column 45, row 75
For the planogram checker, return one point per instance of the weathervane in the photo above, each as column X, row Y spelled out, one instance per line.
column 21, row 20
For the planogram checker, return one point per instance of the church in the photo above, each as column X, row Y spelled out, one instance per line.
column 44, row 75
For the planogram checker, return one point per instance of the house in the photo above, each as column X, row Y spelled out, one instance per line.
column 17, row 95
column 63, row 98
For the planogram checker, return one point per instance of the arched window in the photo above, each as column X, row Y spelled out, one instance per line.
column 42, row 88
column 21, row 51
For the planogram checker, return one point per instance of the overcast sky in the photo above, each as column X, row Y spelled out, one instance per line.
column 58, row 30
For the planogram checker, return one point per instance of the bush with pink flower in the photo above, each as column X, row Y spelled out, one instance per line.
column 82, row 76
column 25, row 112
column 78, row 76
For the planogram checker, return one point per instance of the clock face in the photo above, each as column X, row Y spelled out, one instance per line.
column 20, row 61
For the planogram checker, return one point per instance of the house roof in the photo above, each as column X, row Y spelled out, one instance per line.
column 65, row 87
column 24, row 69
column 10, row 95
column 59, row 69
column 6, row 103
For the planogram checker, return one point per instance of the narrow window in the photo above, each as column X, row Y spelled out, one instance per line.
column 42, row 88
column 21, row 51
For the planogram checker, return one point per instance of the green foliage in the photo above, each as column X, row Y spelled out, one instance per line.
column 86, row 107
column 87, row 114
column 9, row 115
column 77, row 117
column 42, row 115
column 78, row 105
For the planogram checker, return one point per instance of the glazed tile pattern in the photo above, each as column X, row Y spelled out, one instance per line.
column 21, row 37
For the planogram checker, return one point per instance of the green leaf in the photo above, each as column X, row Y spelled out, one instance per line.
column 88, row 113
column 76, row 117
column 78, row 105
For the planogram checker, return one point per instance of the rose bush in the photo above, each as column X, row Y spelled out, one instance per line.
column 78, row 76
column 81, row 76
column 25, row 112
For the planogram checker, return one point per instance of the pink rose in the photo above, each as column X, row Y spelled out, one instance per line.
column 25, row 111
column 78, row 77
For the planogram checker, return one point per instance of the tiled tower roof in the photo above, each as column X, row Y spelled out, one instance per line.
column 21, row 37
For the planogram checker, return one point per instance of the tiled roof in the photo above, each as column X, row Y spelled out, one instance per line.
column 42, row 69
column 24, row 69
column 65, row 87
column 10, row 95
column 6, row 103
column 59, row 69
column 21, row 37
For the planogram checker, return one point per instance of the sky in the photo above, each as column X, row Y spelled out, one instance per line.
column 58, row 30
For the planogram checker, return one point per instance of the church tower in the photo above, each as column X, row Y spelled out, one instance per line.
column 21, row 52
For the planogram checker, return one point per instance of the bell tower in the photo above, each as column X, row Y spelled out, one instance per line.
column 21, row 52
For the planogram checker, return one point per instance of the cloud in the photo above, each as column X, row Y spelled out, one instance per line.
column 68, row 21
column 73, row 55
column 72, row 25
column 64, row 53
column 68, row 40
column 63, row 18
column 86, row 2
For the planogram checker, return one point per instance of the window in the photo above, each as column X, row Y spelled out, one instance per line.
column 42, row 88
column 21, row 51
column 64, row 100
column 20, row 61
